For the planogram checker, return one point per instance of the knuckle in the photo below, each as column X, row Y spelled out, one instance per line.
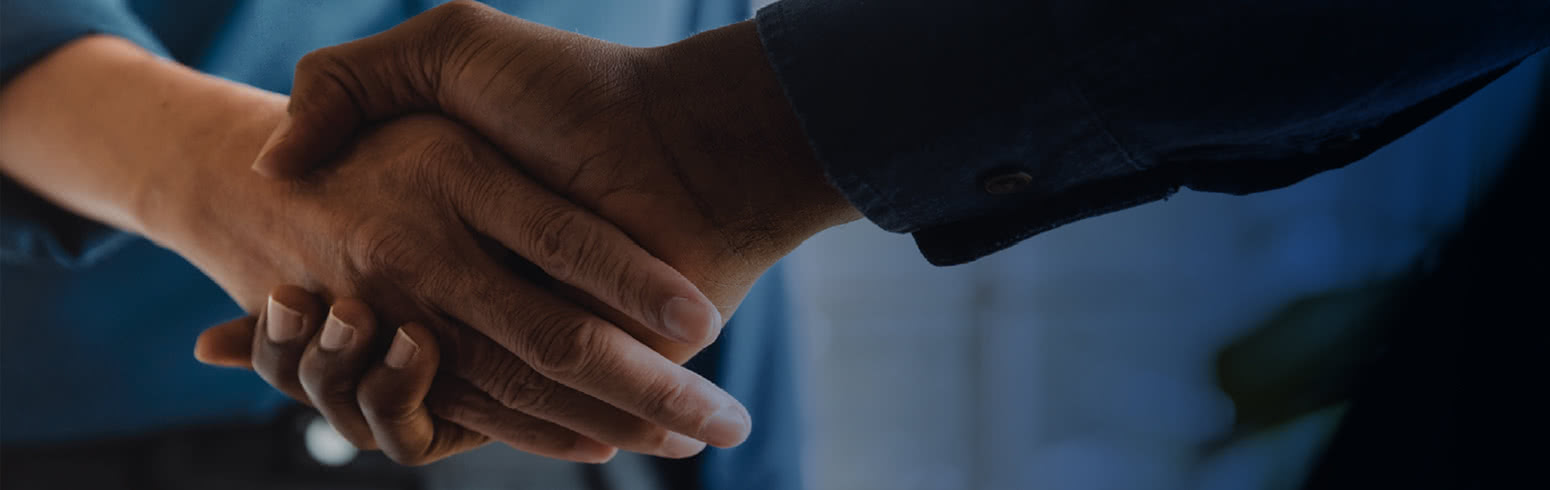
column 521, row 388
column 272, row 370
column 313, row 367
column 460, row 406
column 379, row 246
column 441, row 163
column 475, row 357
column 634, row 288
column 670, row 401
column 274, row 376
column 561, row 242
column 530, row 393
column 451, row 22
column 322, row 61
column 312, row 375
column 457, row 8
column 326, row 76
column 336, row 395
column 506, row 379
column 327, row 390
column 565, row 346
column 473, row 409
column 383, row 406
column 442, row 31
column 653, row 438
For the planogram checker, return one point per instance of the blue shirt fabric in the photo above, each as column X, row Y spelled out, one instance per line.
column 913, row 104
column 97, row 326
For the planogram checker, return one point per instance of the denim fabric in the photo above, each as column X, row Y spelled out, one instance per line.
column 1107, row 104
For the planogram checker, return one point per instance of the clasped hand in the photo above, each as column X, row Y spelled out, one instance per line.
column 548, row 273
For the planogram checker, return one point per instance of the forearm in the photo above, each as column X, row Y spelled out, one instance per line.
column 108, row 131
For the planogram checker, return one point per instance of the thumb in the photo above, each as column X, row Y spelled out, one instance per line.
column 229, row 344
column 336, row 91
column 340, row 88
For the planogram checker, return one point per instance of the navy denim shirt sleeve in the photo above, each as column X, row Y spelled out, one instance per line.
column 1083, row 107
column 31, row 229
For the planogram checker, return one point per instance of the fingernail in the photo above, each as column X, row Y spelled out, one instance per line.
column 715, row 318
column 402, row 352
column 284, row 323
column 727, row 428
column 598, row 453
column 336, row 334
column 681, row 446
column 687, row 320
column 265, row 165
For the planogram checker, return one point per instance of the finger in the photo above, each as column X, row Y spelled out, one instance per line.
column 340, row 88
column 571, row 346
column 332, row 366
column 581, row 249
column 229, row 344
column 464, row 405
column 437, row 287
column 290, row 318
column 331, row 99
column 518, row 389
column 392, row 395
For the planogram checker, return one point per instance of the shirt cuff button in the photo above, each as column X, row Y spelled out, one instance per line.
column 1007, row 183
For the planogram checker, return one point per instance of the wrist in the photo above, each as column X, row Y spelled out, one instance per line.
column 222, row 132
column 151, row 124
column 717, row 93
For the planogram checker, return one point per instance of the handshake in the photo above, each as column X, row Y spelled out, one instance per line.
column 552, row 223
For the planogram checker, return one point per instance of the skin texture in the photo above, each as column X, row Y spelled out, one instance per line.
column 418, row 217
column 387, row 400
column 690, row 149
